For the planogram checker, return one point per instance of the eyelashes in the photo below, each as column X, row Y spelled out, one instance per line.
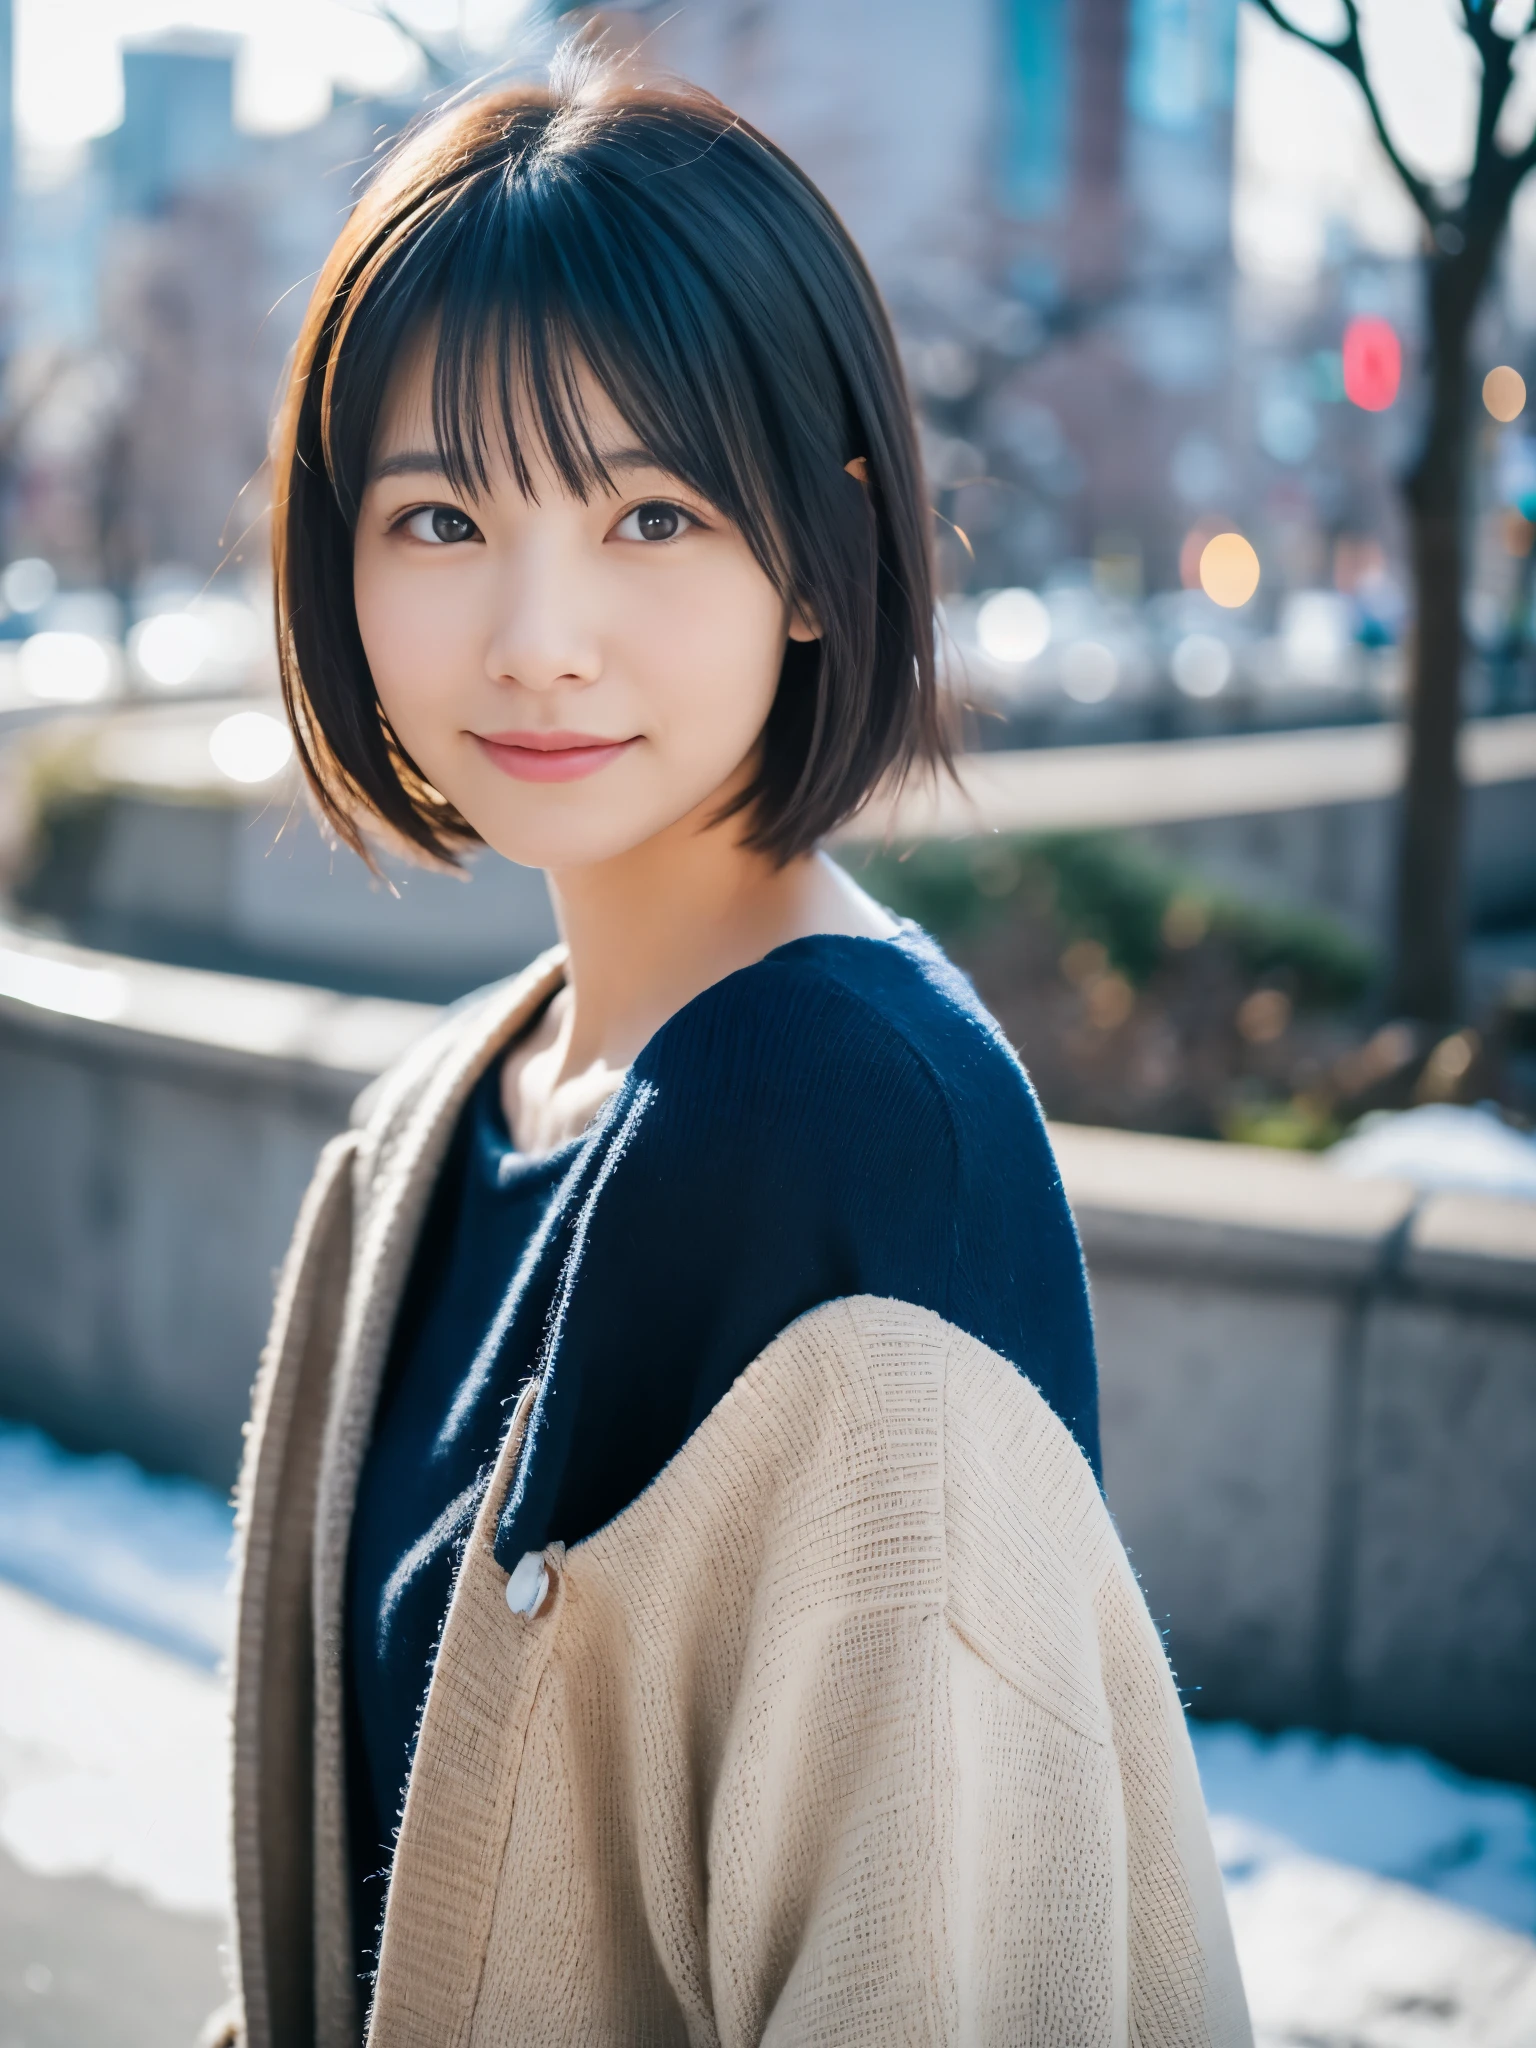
column 657, row 520
column 445, row 525
column 653, row 522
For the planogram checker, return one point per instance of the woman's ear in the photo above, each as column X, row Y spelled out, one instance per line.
column 858, row 469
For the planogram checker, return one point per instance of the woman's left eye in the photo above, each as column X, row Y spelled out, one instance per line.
column 440, row 525
column 654, row 520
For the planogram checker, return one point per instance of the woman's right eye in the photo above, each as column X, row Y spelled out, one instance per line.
column 440, row 525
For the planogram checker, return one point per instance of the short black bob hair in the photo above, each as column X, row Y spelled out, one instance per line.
column 650, row 235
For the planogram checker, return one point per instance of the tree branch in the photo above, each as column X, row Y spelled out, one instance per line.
column 1348, row 53
column 1517, row 165
column 438, row 72
column 1478, row 22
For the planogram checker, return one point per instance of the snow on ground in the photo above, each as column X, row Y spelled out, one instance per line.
column 1333, row 1957
column 112, row 1759
column 1379, row 1900
column 1396, row 1812
column 104, row 1539
column 1440, row 1145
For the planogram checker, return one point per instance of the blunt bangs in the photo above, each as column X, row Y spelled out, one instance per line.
column 646, row 238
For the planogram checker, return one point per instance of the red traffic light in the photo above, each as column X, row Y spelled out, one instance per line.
column 1373, row 363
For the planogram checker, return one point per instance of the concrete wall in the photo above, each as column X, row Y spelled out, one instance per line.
column 257, row 889
column 155, row 1149
column 1307, row 818
column 1319, row 1401
column 1319, row 1394
column 1341, row 857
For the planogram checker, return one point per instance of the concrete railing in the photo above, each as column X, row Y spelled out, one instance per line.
column 158, row 1127
column 1319, row 1405
column 1293, row 817
column 1319, row 1394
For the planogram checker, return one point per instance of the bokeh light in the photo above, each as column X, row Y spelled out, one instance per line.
column 1504, row 393
column 249, row 746
column 28, row 584
column 1201, row 665
column 1373, row 362
column 1089, row 672
column 1013, row 625
column 1264, row 1016
column 66, row 668
column 1185, row 923
column 169, row 649
column 1229, row 570
column 1192, row 547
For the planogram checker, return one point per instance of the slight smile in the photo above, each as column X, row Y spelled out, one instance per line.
column 550, row 756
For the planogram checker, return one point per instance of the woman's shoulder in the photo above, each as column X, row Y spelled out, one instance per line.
column 847, row 1019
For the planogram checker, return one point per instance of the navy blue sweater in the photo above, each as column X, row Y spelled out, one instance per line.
column 841, row 1118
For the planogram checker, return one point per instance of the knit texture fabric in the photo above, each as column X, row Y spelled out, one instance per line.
column 852, row 1728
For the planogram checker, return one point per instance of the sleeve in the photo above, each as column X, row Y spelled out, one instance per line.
column 1007, row 1879
column 272, row 1724
column 1182, row 1971
column 777, row 1147
column 977, row 1821
column 1075, row 1782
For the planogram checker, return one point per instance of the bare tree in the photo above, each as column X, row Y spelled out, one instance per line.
column 1463, row 227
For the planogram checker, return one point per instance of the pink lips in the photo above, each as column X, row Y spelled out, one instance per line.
column 550, row 756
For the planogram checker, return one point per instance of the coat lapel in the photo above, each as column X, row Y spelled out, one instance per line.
column 437, row 1922
column 405, row 1150
column 272, row 1723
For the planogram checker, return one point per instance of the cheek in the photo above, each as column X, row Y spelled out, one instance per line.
column 409, row 639
column 712, row 655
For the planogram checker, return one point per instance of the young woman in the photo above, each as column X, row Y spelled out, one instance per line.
column 677, row 1600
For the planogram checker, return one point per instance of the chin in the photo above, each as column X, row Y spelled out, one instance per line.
column 567, row 830
column 556, row 852
column 586, row 838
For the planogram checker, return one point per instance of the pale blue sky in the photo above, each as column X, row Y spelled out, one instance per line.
column 69, row 87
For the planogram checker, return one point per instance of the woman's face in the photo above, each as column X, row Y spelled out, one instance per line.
column 574, row 678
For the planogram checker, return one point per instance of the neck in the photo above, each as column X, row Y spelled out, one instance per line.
column 657, row 925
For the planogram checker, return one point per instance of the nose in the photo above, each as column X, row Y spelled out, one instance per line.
column 544, row 633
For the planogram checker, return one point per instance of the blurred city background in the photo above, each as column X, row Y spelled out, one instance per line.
column 1220, row 345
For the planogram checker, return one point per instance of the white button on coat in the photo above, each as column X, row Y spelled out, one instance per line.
column 529, row 1583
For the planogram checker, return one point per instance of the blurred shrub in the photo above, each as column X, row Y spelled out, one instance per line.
column 1100, row 887
column 1300, row 1123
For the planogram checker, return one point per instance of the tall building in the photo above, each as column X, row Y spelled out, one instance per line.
column 178, row 130
column 180, row 307
column 1034, row 114
column 163, row 285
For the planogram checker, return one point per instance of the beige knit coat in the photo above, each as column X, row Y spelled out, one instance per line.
column 852, row 1729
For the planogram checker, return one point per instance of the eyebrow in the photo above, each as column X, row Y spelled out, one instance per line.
column 409, row 462
column 428, row 462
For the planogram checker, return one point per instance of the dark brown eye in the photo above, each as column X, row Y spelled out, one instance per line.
column 656, row 521
column 448, row 525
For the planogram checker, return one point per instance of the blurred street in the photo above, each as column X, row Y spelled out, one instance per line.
column 81, row 1960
